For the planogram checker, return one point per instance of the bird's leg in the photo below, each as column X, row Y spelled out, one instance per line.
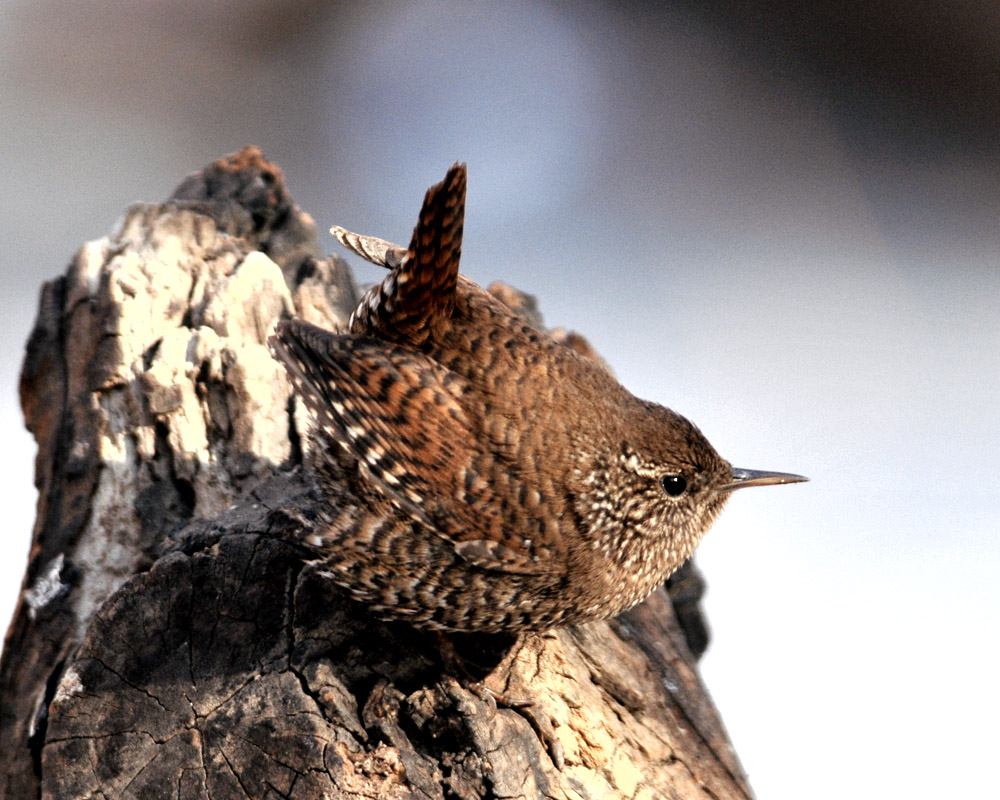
column 463, row 666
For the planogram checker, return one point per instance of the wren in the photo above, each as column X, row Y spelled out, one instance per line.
column 479, row 475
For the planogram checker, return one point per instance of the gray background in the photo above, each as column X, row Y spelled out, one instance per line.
column 781, row 222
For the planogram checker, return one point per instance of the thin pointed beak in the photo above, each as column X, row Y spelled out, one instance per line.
column 752, row 477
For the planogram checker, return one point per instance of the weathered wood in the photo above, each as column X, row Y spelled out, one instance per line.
column 173, row 638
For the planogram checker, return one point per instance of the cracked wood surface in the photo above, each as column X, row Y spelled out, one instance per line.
column 173, row 638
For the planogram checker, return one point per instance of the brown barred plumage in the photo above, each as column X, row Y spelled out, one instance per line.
column 480, row 475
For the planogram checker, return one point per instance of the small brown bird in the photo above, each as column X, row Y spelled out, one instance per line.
column 480, row 475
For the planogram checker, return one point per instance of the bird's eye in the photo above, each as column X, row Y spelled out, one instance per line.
column 673, row 485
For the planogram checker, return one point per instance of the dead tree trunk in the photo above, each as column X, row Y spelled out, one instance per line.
column 172, row 638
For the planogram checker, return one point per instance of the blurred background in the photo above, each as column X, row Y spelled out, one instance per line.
column 780, row 219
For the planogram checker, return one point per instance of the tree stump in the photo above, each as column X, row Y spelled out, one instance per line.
column 173, row 638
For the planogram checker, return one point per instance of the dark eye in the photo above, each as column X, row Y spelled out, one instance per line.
column 673, row 485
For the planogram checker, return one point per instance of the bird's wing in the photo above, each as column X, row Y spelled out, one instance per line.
column 409, row 302
column 398, row 413
column 377, row 251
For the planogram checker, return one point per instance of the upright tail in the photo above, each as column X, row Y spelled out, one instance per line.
column 416, row 295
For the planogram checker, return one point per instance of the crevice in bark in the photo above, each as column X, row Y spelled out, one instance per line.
column 40, row 720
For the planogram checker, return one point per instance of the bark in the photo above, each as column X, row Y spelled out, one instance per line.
column 173, row 638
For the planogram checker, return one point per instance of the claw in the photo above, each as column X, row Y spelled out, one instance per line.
column 524, row 708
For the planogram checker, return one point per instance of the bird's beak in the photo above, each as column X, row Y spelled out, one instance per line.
column 753, row 477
